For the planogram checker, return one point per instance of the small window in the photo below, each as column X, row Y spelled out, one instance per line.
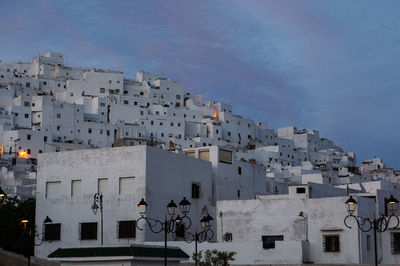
column 88, row 231
column 195, row 191
column 102, row 90
column 26, row 115
column 28, row 137
column 45, row 138
column 368, row 240
column 27, row 104
column 58, row 128
column 228, row 237
column 239, row 170
column 395, row 242
column 126, row 102
column 178, row 96
column 331, row 243
column 269, row 241
column 180, row 230
column 126, row 229
column 28, row 151
column 301, row 190
column 58, row 115
column 89, row 130
column 52, row 232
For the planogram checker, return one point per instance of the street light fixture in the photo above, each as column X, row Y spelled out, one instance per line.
column 170, row 224
column 3, row 197
column 206, row 234
column 98, row 198
column 28, row 235
column 365, row 224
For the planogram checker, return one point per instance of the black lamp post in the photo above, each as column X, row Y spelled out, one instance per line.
column 206, row 234
column 365, row 224
column 29, row 237
column 98, row 198
column 170, row 224
column 3, row 197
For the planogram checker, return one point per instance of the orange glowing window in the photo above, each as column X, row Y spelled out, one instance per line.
column 1, row 150
column 215, row 113
column 23, row 154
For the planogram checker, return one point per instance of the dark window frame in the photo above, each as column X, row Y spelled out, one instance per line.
column 85, row 233
column 331, row 243
column 126, row 229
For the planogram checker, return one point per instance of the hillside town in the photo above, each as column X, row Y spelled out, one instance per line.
column 71, row 136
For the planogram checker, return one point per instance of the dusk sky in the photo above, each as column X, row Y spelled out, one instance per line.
column 325, row 65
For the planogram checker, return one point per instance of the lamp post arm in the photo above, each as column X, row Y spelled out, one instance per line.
column 364, row 224
column 156, row 226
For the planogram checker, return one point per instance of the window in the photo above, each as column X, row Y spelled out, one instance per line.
column 44, row 83
column 58, row 115
column 239, row 170
column 395, row 242
column 27, row 104
column 88, row 231
column 126, row 229
column 228, row 237
column 204, row 155
column 101, row 104
column 300, row 190
column 180, row 230
column 225, row 156
column 53, row 190
column 28, row 137
column 45, row 138
column 229, row 133
column 28, row 151
column 126, row 185
column 26, row 115
column 126, row 102
column 195, row 191
column 52, row 232
column 102, row 90
column 368, row 243
column 269, row 241
column 172, row 124
column 178, row 97
column 331, row 243
column 89, row 130
column 58, row 128
column 76, row 188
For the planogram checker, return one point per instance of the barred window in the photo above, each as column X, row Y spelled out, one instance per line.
column 52, row 232
column 126, row 229
column 88, row 231
column 331, row 243
column 395, row 242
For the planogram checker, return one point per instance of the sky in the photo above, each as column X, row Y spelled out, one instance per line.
column 316, row 64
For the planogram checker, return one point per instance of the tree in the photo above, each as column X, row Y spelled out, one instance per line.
column 13, row 237
column 213, row 257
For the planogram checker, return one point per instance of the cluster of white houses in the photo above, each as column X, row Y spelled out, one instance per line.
column 68, row 133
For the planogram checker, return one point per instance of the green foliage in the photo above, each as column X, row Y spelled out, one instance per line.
column 213, row 257
column 13, row 237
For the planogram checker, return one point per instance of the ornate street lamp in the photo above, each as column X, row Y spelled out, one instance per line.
column 206, row 234
column 28, row 235
column 3, row 197
column 365, row 224
column 98, row 198
column 170, row 224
